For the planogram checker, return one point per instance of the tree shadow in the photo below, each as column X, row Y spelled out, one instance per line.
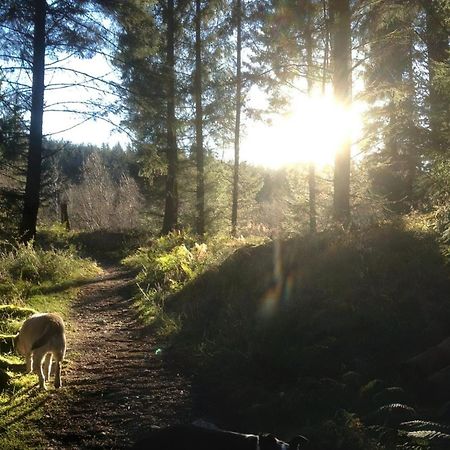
column 60, row 287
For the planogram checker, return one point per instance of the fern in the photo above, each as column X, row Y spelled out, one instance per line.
column 427, row 437
column 422, row 425
column 392, row 414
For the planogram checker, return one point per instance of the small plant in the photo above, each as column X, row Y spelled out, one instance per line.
column 23, row 266
column 168, row 263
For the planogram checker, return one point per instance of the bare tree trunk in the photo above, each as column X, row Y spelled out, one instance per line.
column 326, row 45
column 65, row 215
column 199, row 123
column 237, row 126
column 34, row 163
column 171, row 206
column 309, row 66
column 342, row 84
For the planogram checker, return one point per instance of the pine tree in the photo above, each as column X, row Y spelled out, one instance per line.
column 59, row 26
column 341, row 58
column 199, row 150
column 237, row 126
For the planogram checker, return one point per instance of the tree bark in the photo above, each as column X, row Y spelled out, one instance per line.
column 34, row 163
column 170, row 221
column 199, row 123
column 237, row 125
column 64, row 210
column 309, row 66
column 342, row 84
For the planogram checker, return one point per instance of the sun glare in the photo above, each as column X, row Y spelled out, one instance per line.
column 313, row 130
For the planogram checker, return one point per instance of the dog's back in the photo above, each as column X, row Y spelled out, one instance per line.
column 42, row 336
column 42, row 330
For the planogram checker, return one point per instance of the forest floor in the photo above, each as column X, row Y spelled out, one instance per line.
column 115, row 383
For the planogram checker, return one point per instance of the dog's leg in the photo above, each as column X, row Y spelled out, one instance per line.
column 47, row 366
column 58, row 359
column 29, row 362
column 38, row 357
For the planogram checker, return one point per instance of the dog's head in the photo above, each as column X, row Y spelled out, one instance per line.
column 270, row 442
column 16, row 344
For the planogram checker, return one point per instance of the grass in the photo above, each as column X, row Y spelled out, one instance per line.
column 306, row 326
column 167, row 265
column 32, row 279
column 21, row 409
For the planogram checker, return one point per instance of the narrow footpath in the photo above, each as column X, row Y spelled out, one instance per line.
column 116, row 384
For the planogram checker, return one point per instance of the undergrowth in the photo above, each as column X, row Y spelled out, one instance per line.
column 32, row 279
column 25, row 269
column 314, row 328
column 167, row 264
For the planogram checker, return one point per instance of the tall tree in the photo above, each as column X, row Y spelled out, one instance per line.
column 309, row 47
column 59, row 27
column 33, row 180
column 199, row 151
column 237, row 125
column 396, row 139
column 341, row 56
column 170, row 221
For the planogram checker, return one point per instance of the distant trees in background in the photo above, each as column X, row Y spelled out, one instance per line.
column 187, row 69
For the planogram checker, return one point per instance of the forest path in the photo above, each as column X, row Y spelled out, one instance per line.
column 115, row 386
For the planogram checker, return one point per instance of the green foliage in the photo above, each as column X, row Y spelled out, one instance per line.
column 21, row 409
column 13, row 311
column 170, row 262
column 299, row 326
column 437, row 182
column 23, row 266
column 31, row 279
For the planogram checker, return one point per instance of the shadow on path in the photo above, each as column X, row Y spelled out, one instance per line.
column 116, row 387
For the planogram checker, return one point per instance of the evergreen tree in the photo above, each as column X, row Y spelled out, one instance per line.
column 199, row 150
column 341, row 58
column 56, row 27
column 237, row 128
column 393, row 88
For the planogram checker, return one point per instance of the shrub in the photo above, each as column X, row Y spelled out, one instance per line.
column 23, row 266
column 168, row 263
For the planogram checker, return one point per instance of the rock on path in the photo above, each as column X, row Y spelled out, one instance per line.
column 115, row 387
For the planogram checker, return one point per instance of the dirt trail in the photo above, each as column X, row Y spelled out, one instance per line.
column 114, row 386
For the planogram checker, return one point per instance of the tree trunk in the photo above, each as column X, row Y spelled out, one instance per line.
column 199, row 123
column 342, row 84
column 65, row 215
column 309, row 67
column 171, row 205
column 34, row 163
column 237, row 126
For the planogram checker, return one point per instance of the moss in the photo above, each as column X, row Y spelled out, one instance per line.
column 15, row 311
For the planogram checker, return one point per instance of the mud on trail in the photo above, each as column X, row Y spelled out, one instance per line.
column 115, row 385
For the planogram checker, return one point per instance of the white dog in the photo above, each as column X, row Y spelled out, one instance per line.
column 41, row 337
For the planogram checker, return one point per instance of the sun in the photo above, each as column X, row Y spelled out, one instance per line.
column 313, row 130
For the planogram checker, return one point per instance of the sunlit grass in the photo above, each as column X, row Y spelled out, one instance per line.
column 21, row 409
column 31, row 279
column 168, row 265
